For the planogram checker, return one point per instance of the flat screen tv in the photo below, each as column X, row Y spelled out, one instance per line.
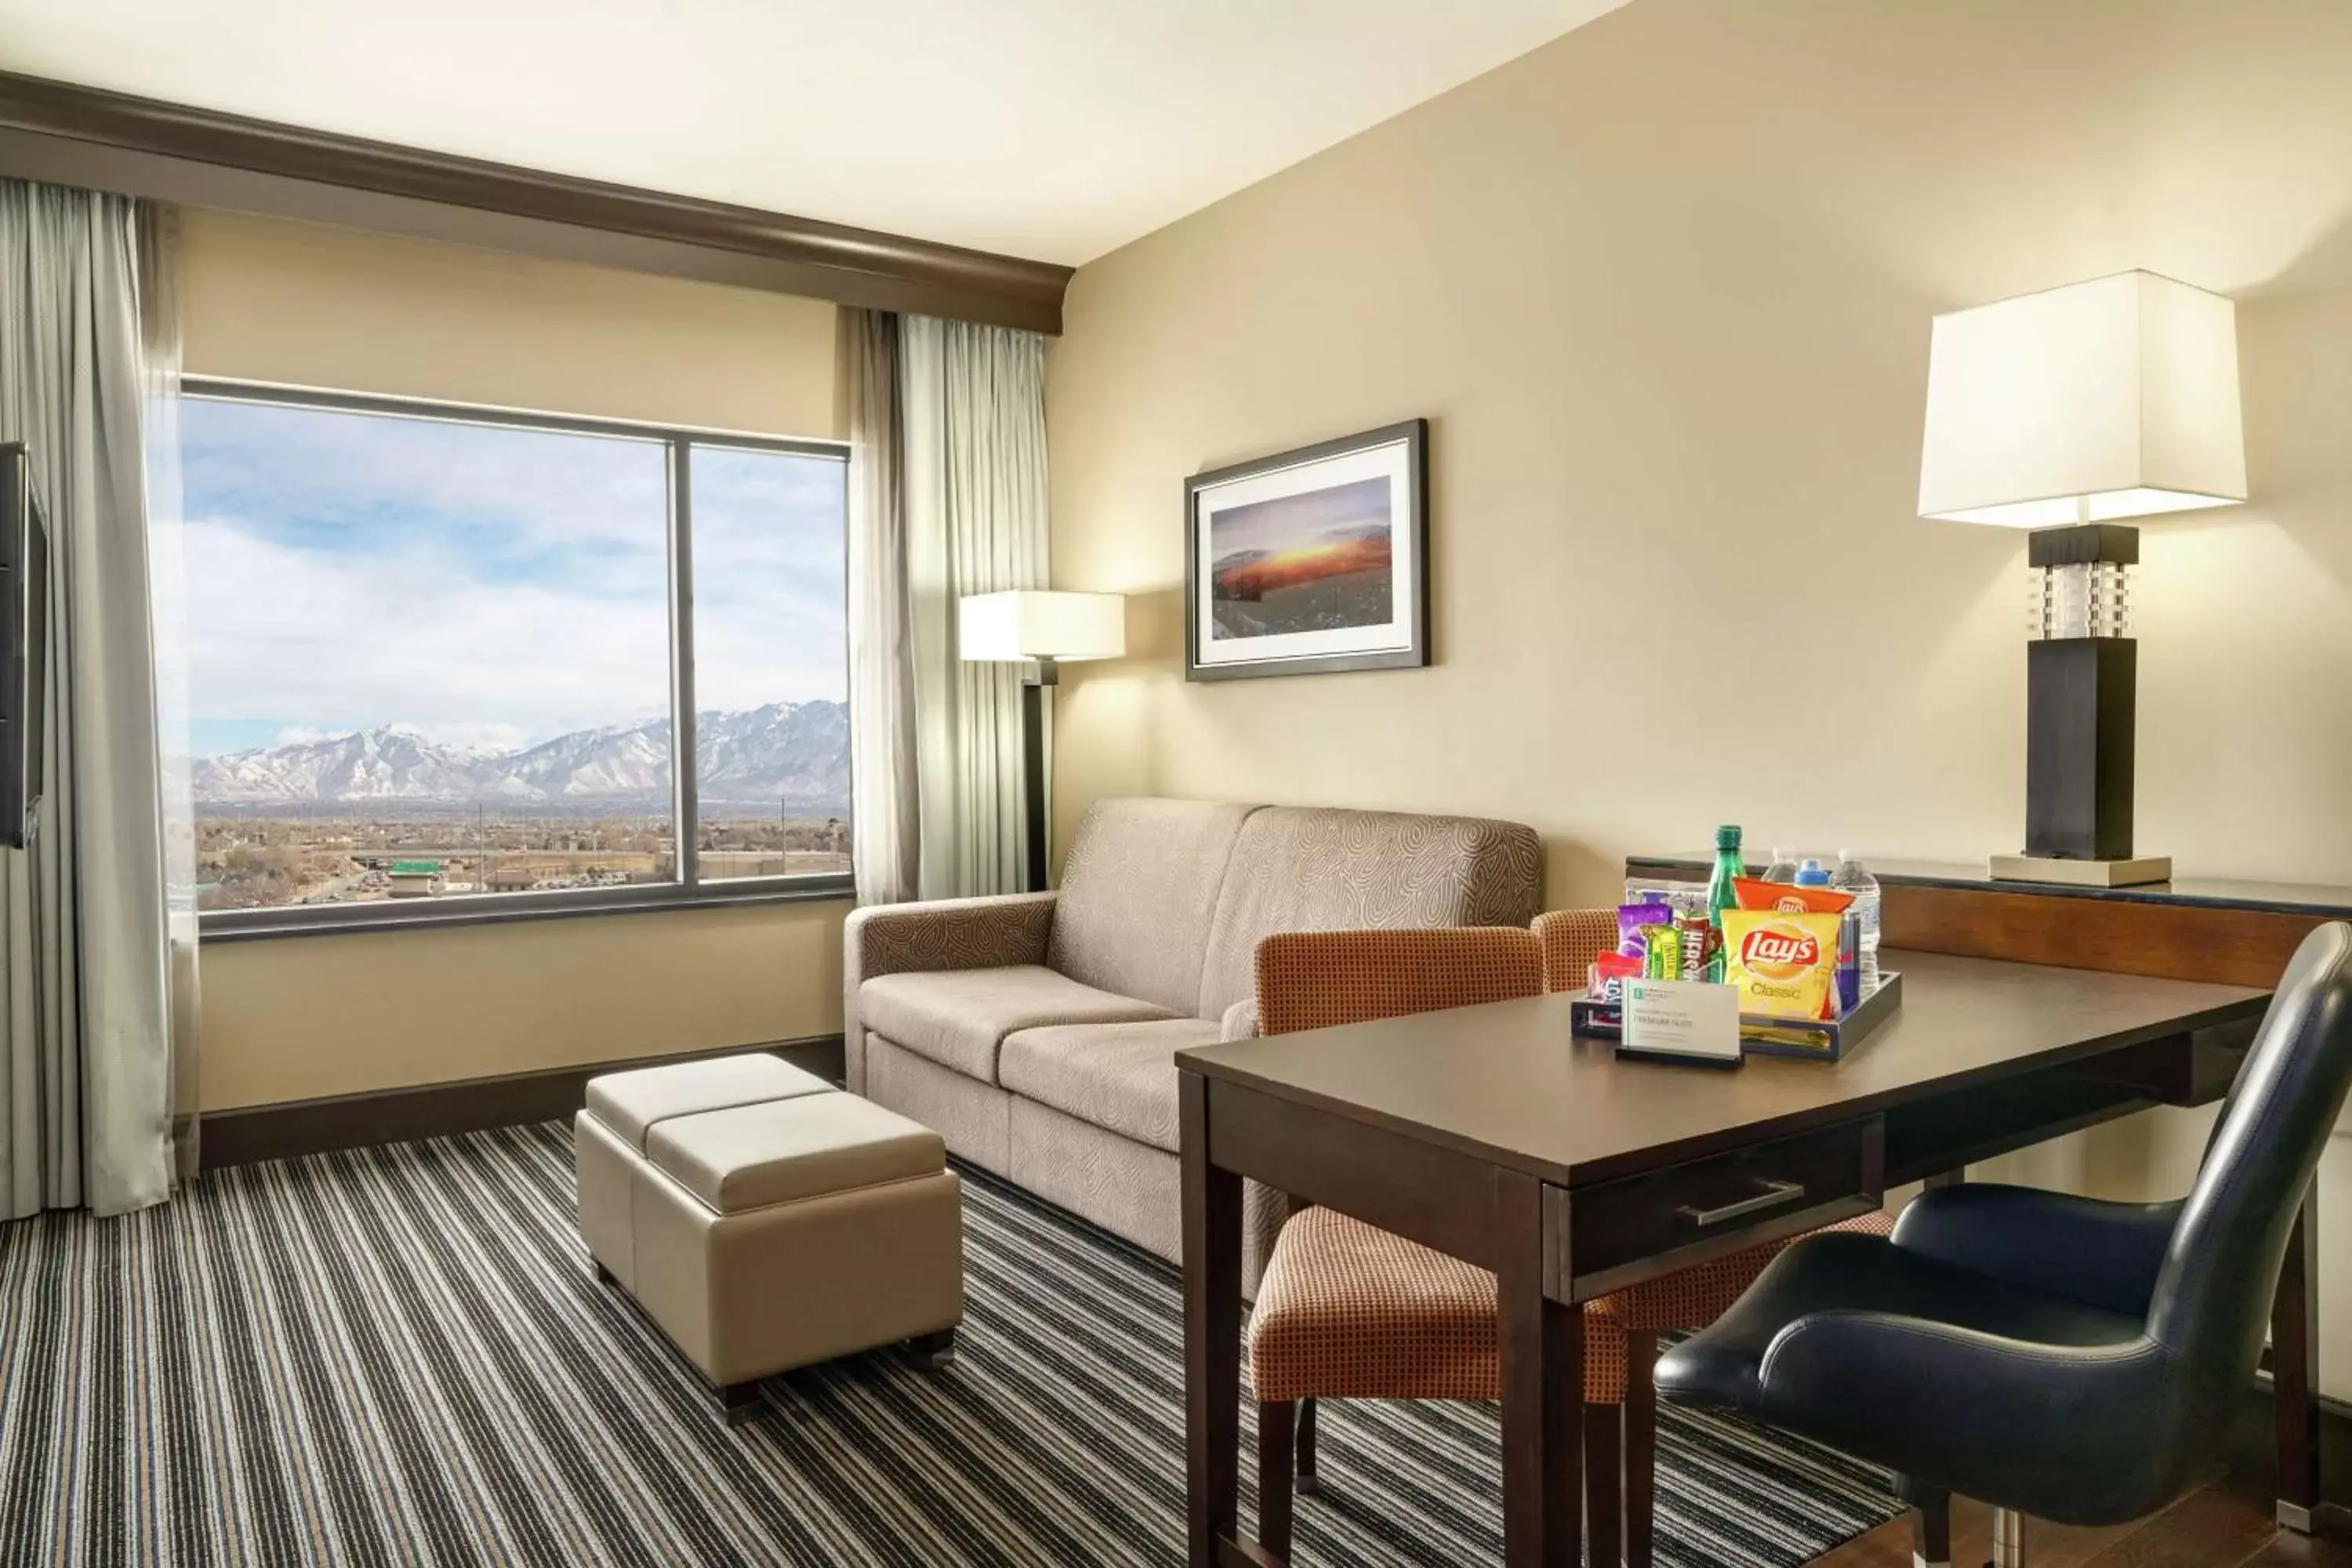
column 24, row 645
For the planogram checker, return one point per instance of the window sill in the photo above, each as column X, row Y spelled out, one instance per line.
column 504, row 908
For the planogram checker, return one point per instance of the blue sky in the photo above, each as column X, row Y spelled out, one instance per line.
column 487, row 586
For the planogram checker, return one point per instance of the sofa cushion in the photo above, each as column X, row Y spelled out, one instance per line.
column 1118, row 1076
column 1295, row 869
column 1137, row 895
column 958, row 1017
column 785, row 1150
column 628, row 1104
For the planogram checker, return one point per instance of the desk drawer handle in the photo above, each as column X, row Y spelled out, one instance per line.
column 1774, row 1194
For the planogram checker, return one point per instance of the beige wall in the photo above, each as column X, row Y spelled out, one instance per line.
column 298, row 1018
column 269, row 301
column 1663, row 290
column 295, row 1018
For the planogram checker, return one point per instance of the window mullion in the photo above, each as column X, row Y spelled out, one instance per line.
column 685, row 816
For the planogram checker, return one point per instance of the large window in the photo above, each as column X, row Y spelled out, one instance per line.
column 442, row 655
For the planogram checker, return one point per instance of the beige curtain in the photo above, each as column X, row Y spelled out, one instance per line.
column 937, row 748
column 884, row 816
column 974, row 401
column 87, row 377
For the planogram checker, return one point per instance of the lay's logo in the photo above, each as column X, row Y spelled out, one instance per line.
column 1780, row 952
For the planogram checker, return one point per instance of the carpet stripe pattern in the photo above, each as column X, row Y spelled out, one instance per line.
column 401, row 1355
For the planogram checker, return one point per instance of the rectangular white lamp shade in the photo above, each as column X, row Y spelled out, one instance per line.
column 1026, row 623
column 2109, row 399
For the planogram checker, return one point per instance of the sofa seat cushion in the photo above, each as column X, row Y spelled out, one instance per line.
column 631, row 1103
column 958, row 1017
column 783, row 1150
column 1120, row 1077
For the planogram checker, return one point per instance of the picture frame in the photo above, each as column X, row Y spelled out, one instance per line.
column 1311, row 562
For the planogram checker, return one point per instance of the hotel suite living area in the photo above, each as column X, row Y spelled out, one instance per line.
column 935, row 783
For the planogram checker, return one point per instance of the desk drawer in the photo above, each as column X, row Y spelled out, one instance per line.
column 1725, row 1202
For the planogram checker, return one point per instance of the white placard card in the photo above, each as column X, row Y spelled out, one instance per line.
column 1682, row 1018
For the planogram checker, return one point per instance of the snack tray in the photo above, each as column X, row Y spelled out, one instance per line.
column 1812, row 1040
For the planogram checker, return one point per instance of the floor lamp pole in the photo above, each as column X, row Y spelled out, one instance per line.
column 1033, row 766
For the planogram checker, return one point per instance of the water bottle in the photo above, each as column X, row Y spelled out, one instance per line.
column 1783, row 867
column 1854, row 876
column 1810, row 874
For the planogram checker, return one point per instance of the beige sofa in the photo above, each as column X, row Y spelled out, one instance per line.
column 1037, row 1031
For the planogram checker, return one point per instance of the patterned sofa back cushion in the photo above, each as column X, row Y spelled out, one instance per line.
column 1296, row 868
column 1137, row 895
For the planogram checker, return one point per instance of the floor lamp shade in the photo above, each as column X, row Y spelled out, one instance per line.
column 1022, row 624
column 2109, row 399
column 2062, row 412
column 1026, row 623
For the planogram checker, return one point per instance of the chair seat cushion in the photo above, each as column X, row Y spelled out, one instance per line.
column 629, row 1103
column 958, row 1017
column 1697, row 1297
column 1118, row 1076
column 781, row 1150
column 1721, row 1366
column 1350, row 1311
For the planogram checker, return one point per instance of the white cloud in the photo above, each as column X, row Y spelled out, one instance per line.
column 484, row 590
column 331, row 643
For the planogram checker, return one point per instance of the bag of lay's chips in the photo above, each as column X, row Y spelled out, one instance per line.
column 1784, row 963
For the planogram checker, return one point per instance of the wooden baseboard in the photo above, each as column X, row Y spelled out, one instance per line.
column 249, row 1133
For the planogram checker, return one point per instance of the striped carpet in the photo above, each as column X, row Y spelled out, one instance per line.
column 400, row 1355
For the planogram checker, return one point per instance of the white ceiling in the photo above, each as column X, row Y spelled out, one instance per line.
column 1051, row 128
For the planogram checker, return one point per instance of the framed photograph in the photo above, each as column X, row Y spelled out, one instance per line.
column 1312, row 561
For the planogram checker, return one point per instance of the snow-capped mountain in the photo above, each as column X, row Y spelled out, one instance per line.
column 797, row 750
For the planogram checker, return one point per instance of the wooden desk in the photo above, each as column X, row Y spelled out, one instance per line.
column 1493, row 1134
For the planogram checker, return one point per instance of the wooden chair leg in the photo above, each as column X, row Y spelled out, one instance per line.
column 1276, row 1423
column 1640, row 1447
column 1309, row 1483
column 1604, row 1486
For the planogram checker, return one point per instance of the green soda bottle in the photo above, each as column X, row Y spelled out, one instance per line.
column 1720, row 894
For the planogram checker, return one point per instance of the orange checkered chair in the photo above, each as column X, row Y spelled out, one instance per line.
column 1348, row 1311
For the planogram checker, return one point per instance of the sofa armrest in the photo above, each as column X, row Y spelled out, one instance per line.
column 1240, row 1022
column 947, row 933
column 936, row 934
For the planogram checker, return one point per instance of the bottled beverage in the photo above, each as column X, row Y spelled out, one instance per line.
column 1783, row 867
column 1720, row 894
column 1848, row 965
column 1854, row 876
column 1810, row 874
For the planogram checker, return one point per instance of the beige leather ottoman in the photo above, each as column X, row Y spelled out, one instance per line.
column 766, row 1220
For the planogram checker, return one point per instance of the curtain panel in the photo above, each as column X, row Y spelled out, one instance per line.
column 88, row 368
column 885, row 824
column 940, row 762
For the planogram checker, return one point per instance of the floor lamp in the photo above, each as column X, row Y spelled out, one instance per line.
column 1029, row 625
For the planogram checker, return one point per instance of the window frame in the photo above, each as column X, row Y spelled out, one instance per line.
column 686, row 890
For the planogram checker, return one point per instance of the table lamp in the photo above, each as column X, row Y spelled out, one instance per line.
column 2062, row 412
column 1026, row 625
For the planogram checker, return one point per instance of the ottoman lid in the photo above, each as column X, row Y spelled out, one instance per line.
column 630, row 1103
column 784, row 1150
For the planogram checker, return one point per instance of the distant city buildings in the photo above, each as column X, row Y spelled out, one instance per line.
column 414, row 878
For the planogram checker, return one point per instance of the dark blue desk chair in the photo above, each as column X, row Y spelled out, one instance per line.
column 2057, row 1356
